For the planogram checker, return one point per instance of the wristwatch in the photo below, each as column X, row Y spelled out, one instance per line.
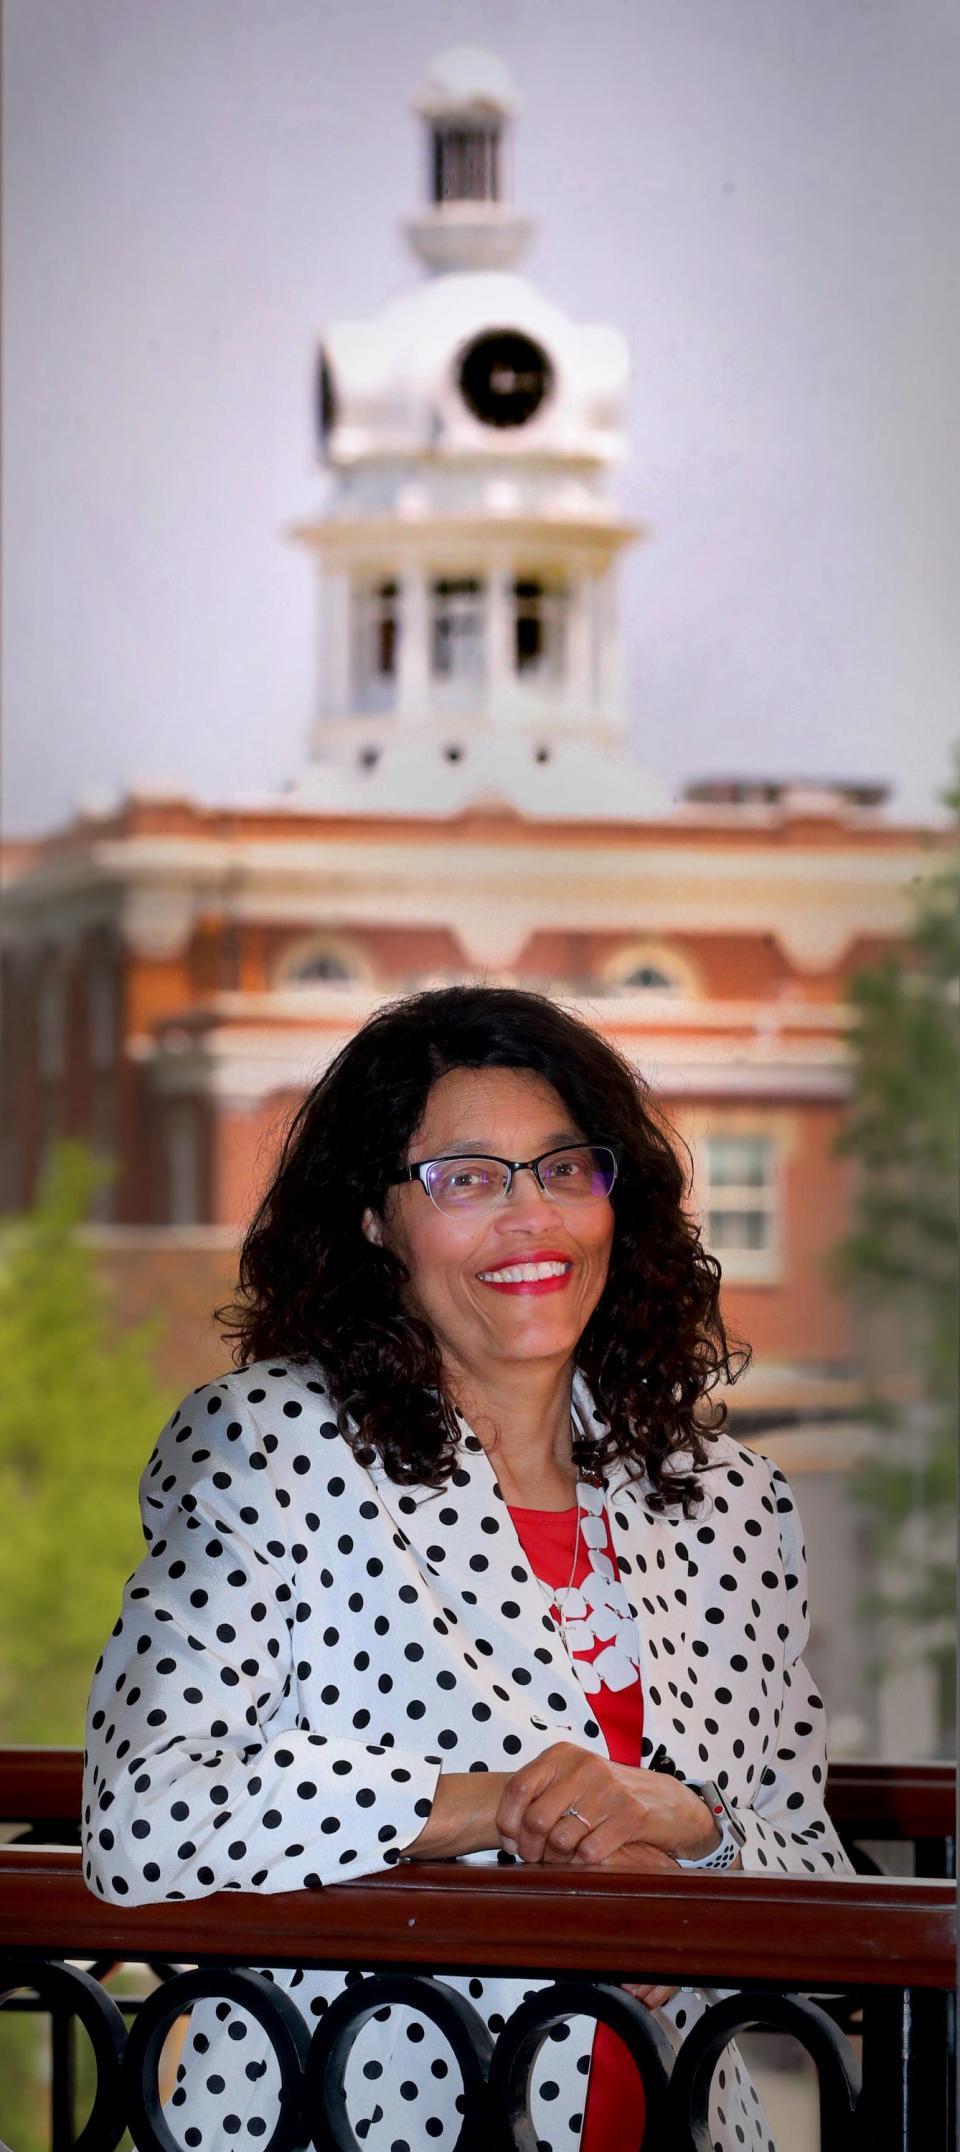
column 732, row 1833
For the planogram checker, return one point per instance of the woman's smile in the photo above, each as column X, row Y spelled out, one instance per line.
column 542, row 1270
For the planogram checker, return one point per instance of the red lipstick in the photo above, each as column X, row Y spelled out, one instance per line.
column 529, row 1285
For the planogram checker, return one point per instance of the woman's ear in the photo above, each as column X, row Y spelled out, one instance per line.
column 372, row 1227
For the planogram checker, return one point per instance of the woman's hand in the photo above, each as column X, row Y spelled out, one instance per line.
column 620, row 1808
column 653, row 1997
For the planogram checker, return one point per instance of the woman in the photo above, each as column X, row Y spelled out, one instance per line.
column 460, row 1551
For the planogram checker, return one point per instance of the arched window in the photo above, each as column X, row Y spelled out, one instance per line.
column 649, row 975
column 320, row 963
column 648, row 968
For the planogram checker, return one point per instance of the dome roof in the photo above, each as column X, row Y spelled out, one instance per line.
column 464, row 79
column 398, row 384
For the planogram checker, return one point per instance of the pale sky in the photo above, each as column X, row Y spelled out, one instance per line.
column 762, row 194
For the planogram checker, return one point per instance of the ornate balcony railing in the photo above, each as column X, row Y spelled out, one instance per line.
column 861, row 1971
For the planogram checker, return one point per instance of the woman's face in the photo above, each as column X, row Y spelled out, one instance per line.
column 476, row 1318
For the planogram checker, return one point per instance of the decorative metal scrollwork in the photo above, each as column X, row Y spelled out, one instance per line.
column 66, row 1989
column 523, row 2035
column 461, row 2025
column 278, row 2018
column 837, row 2074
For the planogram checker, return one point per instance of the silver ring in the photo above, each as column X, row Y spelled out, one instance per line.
column 579, row 1817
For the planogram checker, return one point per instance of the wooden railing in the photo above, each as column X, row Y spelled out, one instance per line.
column 40, row 1788
column 843, row 1963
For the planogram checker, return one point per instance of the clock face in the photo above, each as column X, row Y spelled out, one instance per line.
column 326, row 399
column 504, row 377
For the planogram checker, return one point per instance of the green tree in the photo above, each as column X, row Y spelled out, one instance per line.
column 900, row 1261
column 79, row 1411
column 80, row 1408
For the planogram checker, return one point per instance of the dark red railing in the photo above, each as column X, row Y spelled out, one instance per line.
column 876, row 1952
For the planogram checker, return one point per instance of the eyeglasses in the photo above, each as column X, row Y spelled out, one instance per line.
column 574, row 1172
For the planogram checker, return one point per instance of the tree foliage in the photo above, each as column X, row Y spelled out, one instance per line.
column 900, row 1260
column 79, row 1410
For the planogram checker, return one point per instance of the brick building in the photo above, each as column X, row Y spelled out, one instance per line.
column 176, row 973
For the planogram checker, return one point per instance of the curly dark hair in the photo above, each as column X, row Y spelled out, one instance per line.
column 313, row 1288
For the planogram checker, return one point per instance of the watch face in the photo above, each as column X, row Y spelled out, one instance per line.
column 326, row 398
column 504, row 377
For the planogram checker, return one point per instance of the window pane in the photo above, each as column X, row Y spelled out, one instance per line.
column 465, row 164
column 458, row 628
column 376, row 636
column 650, row 976
column 740, row 1161
column 738, row 1229
column 317, row 966
column 384, row 650
column 540, row 627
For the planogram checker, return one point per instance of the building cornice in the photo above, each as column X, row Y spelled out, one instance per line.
column 432, row 537
column 813, row 902
column 245, row 1065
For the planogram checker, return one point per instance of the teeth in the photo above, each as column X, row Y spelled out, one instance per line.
column 525, row 1273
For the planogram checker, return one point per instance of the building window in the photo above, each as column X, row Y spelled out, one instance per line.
column 102, row 1010
column 316, row 970
column 739, row 1195
column 320, row 963
column 649, row 977
column 540, row 629
column 183, row 1199
column 648, row 968
column 457, row 630
column 376, row 644
column 466, row 164
column 103, row 1135
column 51, row 1020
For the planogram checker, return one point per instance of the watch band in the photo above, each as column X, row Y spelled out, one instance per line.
column 732, row 1833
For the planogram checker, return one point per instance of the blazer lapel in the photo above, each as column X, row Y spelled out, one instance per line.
column 468, row 1552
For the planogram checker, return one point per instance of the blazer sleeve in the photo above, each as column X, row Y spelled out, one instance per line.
column 197, row 1777
column 787, row 1825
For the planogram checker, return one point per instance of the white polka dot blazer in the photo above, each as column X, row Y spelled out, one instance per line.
column 306, row 1646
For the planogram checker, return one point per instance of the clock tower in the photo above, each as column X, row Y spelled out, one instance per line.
column 468, row 551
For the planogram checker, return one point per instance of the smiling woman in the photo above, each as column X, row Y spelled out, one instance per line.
column 419, row 1581
column 440, row 1080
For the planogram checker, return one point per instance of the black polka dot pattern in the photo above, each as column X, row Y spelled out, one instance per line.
column 306, row 1645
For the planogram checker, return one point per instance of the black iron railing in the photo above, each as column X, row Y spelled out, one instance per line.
column 859, row 1970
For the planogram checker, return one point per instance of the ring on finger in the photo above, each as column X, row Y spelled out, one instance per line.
column 571, row 1811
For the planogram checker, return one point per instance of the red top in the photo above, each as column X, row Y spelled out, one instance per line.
column 615, row 2110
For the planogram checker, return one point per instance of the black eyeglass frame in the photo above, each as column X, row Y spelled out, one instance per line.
column 513, row 1165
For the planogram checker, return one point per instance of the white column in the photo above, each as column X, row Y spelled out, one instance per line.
column 413, row 685
column 335, row 666
column 501, row 679
column 609, row 652
column 578, row 697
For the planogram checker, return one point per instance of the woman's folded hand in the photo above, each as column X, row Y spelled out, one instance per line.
column 568, row 1802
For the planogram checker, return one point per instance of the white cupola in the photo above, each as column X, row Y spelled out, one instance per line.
column 468, row 102
column 468, row 547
